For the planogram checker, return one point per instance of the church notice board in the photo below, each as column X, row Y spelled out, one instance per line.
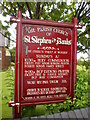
column 45, row 66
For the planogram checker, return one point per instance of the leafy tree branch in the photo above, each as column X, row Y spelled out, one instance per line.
column 29, row 10
column 7, row 37
column 59, row 11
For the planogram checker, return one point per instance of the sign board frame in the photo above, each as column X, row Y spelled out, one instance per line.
column 17, row 103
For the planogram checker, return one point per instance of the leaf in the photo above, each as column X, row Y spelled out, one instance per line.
column 4, row 13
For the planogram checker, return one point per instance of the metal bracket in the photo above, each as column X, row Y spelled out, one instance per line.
column 18, row 20
column 13, row 104
column 78, row 26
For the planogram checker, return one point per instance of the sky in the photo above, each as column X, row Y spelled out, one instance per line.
column 13, row 36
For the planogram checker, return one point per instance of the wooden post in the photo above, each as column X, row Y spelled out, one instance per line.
column 74, row 59
column 17, row 97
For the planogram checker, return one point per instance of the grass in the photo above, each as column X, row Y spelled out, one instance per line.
column 6, row 110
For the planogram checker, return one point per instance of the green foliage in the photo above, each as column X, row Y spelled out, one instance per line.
column 10, row 84
column 7, row 92
column 12, row 64
column 57, row 11
column 33, row 110
column 12, row 51
column 81, row 94
column 83, row 62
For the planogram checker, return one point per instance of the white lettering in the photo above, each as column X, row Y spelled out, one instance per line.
column 63, row 42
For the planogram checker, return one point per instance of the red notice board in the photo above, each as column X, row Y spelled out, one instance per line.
column 45, row 62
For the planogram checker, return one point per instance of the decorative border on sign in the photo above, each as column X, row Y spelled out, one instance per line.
column 22, row 85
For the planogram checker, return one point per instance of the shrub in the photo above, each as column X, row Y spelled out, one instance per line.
column 81, row 94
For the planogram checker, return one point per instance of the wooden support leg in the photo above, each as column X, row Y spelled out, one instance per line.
column 16, row 112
